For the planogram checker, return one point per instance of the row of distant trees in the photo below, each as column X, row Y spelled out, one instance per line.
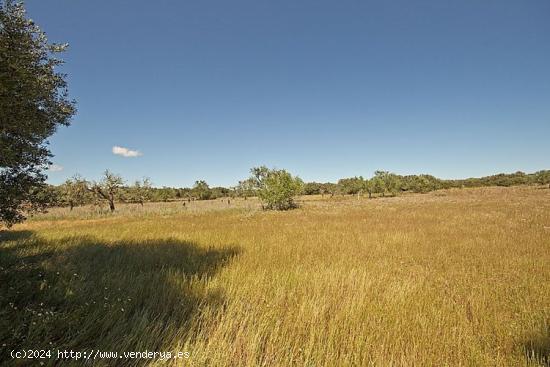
column 112, row 189
column 276, row 188
column 385, row 183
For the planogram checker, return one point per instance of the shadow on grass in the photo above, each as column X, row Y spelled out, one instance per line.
column 79, row 293
column 537, row 349
column 14, row 235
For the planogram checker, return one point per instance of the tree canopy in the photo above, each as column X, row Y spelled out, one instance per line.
column 276, row 187
column 33, row 104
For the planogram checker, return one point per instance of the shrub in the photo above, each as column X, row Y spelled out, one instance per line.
column 277, row 188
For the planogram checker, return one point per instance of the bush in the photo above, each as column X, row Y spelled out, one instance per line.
column 277, row 188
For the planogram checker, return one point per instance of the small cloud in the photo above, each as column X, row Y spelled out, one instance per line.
column 55, row 168
column 125, row 152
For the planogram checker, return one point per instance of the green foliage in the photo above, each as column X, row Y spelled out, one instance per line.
column 386, row 182
column 543, row 177
column 108, row 189
column 351, row 186
column 139, row 192
column 329, row 188
column 420, row 183
column 164, row 193
column 246, row 188
column 50, row 196
column 74, row 192
column 219, row 192
column 311, row 188
column 276, row 188
column 201, row 190
column 33, row 103
column 316, row 188
column 271, row 186
column 377, row 185
column 368, row 186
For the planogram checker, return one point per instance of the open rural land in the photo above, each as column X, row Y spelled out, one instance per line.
column 452, row 277
column 249, row 183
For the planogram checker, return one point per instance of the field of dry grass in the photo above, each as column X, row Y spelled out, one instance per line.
column 458, row 277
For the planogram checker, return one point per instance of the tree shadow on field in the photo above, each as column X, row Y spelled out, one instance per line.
column 14, row 235
column 537, row 349
column 79, row 293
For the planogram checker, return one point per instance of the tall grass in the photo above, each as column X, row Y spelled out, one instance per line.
column 458, row 277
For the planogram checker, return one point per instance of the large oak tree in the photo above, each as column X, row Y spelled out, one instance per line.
column 33, row 104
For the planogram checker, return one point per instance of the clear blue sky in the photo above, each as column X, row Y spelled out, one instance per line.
column 326, row 89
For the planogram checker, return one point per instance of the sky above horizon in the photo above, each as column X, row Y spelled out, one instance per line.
column 180, row 91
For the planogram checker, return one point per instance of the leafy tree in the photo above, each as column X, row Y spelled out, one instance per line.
column 140, row 191
column 369, row 186
column 201, row 190
column 163, row 194
column 33, row 103
column 50, row 195
column 385, row 181
column 247, row 188
column 312, row 188
column 378, row 183
column 543, row 177
column 276, row 188
column 392, row 182
column 185, row 193
column 329, row 188
column 219, row 192
column 108, row 189
column 351, row 186
column 74, row 192
column 422, row 184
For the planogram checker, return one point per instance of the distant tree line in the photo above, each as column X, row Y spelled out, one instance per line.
column 385, row 183
column 276, row 188
column 112, row 189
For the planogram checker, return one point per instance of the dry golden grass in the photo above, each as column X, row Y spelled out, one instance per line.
column 458, row 277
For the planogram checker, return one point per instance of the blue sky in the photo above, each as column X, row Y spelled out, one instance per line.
column 326, row 89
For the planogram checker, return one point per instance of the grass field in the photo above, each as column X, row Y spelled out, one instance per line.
column 450, row 278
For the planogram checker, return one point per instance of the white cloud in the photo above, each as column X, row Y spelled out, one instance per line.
column 55, row 168
column 125, row 152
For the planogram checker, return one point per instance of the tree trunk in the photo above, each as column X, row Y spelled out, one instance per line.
column 112, row 202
